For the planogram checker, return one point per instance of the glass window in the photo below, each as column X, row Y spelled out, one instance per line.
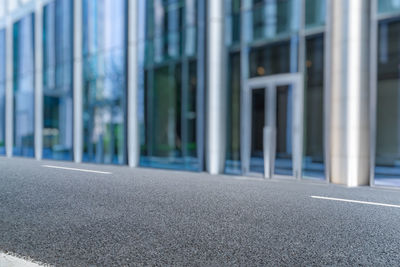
column 270, row 19
column 104, row 81
column 57, row 80
column 387, row 157
column 388, row 6
column 232, row 164
column 2, row 91
column 274, row 58
column 233, row 23
column 315, row 13
column 313, row 146
column 170, row 86
column 23, row 82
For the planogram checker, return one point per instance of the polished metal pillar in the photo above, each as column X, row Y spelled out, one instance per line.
column 78, row 81
column 38, row 80
column 349, row 91
column 132, row 100
column 9, row 88
column 215, row 95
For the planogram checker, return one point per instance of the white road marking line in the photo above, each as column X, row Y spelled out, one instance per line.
column 358, row 201
column 74, row 169
column 8, row 260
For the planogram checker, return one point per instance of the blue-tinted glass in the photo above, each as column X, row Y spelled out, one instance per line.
column 313, row 146
column 170, row 85
column 387, row 151
column 232, row 20
column 315, row 13
column 2, row 91
column 388, row 6
column 57, row 80
column 23, row 82
column 271, row 19
column 104, row 77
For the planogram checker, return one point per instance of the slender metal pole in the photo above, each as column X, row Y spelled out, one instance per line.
column 38, row 80
column 9, row 88
column 78, row 121
column 132, row 116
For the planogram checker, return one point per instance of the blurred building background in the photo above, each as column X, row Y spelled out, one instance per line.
column 306, row 89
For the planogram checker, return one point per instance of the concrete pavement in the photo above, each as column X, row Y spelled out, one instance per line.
column 153, row 217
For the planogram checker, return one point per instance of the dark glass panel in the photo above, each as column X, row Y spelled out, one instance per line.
column 233, row 115
column 257, row 129
column 274, row 58
column 313, row 146
column 387, row 155
column 284, row 123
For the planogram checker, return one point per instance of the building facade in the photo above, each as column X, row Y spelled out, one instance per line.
column 305, row 89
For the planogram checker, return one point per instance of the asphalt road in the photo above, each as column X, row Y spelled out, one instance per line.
column 155, row 217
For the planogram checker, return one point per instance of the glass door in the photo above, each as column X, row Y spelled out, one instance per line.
column 272, row 126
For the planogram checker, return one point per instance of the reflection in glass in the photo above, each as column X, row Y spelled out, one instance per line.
column 104, row 77
column 387, row 155
column 284, row 140
column 388, row 6
column 57, row 80
column 315, row 13
column 2, row 91
column 23, row 82
column 257, row 128
column 169, row 84
column 232, row 164
column 274, row 58
column 233, row 23
column 313, row 146
column 270, row 19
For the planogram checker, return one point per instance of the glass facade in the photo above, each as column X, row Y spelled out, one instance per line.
column 262, row 38
column 24, row 84
column 171, row 63
column 104, row 81
column 57, row 80
column 2, row 91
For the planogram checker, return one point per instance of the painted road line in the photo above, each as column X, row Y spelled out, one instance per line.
column 12, row 261
column 75, row 169
column 357, row 201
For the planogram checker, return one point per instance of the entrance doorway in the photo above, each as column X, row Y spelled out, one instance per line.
column 272, row 126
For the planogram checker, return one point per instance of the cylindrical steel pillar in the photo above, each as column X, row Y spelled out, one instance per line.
column 349, row 87
column 215, row 95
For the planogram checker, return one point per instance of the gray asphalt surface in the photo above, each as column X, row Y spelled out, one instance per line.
column 156, row 217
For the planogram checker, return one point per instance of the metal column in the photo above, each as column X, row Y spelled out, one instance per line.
column 38, row 80
column 349, row 83
column 78, row 120
column 132, row 100
column 215, row 97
